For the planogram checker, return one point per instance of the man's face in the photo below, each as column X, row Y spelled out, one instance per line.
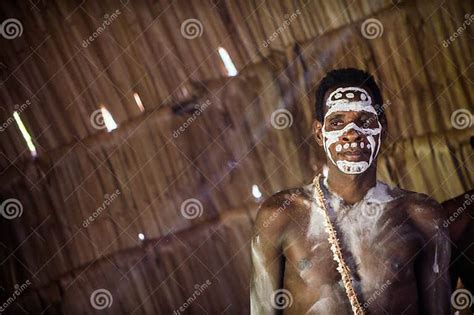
column 351, row 131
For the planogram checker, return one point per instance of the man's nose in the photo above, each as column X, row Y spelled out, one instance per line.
column 351, row 136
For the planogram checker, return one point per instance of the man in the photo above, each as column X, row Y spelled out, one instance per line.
column 392, row 240
column 460, row 222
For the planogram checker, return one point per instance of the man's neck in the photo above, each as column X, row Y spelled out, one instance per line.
column 351, row 188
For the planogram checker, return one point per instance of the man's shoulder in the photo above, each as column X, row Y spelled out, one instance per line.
column 290, row 194
column 412, row 200
column 424, row 211
column 420, row 202
column 278, row 207
column 420, row 207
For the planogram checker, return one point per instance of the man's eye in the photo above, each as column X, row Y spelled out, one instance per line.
column 367, row 120
column 336, row 123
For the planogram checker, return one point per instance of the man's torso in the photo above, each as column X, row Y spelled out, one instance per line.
column 379, row 243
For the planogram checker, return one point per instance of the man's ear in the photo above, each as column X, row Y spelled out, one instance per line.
column 317, row 131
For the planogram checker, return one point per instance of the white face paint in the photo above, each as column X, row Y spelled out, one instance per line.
column 351, row 99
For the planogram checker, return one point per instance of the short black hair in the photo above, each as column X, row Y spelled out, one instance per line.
column 347, row 77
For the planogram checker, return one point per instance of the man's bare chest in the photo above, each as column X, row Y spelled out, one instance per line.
column 377, row 248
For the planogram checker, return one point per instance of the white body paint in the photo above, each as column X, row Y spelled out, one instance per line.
column 380, row 194
column 336, row 103
column 435, row 263
column 263, row 284
column 358, row 229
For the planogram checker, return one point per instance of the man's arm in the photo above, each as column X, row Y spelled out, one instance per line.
column 267, row 259
column 459, row 212
column 432, row 262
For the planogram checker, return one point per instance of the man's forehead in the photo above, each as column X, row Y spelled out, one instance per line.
column 348, row 98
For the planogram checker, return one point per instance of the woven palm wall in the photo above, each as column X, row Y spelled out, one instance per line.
column 141, row 175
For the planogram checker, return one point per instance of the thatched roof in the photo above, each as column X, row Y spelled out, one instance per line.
column 231, row 146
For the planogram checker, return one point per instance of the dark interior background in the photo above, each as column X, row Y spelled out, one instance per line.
column 231, row 146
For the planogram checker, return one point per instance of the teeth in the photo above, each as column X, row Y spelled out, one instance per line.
column 339, row 148
column 346, row 145
column 354, row 144
column 362, row 145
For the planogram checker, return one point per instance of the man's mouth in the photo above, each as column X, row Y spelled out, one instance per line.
column 353, row 154
column 354, row 151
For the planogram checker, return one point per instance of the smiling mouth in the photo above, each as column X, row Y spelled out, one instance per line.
column 354, row 155
column 353, row 151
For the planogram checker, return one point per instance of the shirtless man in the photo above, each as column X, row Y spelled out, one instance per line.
column 393, row 240
column 460, row 222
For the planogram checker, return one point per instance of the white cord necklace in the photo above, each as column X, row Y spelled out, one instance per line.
column 342, row 267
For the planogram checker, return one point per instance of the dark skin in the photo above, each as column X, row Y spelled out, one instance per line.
column 399, row 261
column 460, row 221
